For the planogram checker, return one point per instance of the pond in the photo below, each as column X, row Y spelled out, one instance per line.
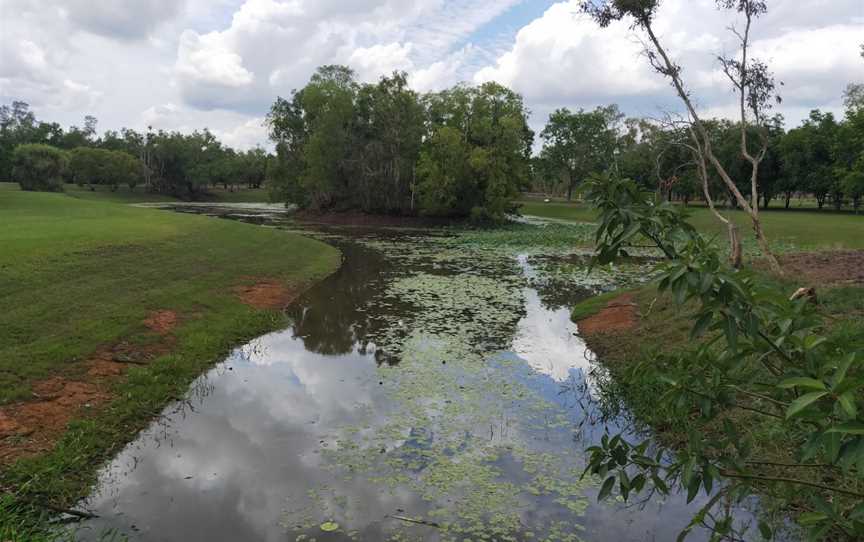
column 434, row 388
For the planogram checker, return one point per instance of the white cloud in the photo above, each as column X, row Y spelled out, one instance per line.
column 564, row 59
column 123, row 19
column 190, row 64
column 209, row 61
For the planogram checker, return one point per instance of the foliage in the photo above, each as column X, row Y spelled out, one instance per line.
column 93, row 166
column 39, row 167
column 383, row 148
column 754, row 350
column 581, row 143
column 172, row 163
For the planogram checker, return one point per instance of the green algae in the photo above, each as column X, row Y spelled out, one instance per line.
column 462, row 433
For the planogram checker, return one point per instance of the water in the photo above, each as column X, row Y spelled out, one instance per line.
column 423, row 392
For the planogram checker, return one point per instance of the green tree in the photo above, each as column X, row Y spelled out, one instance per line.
column 17, row 127
column 39, row 167
column 581, row 143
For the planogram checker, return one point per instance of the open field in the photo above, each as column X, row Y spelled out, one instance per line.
column 109, row 311
column 800, row 230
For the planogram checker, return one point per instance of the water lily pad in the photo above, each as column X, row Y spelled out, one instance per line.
column 329, row 526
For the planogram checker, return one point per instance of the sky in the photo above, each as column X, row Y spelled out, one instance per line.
column 220, row 64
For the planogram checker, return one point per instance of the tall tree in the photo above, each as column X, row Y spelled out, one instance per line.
column 581, row 143
column 750, row 79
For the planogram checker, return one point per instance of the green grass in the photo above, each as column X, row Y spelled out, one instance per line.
column 78, row 274
column 663, row 329
column 804, row 230
column 124, row 195
column 593, row 305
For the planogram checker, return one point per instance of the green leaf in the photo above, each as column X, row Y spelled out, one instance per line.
column 701, row 325
column 693, row 488
column 765, row 530
column 731, row 330
column 842, row 369
column 606, row 489
column 848, row 428
column 857, row 512
column 803, row 402
column 802, row 382
column 811, row 518
column 847, row 403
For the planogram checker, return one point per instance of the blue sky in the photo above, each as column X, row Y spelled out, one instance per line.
column 187, row 64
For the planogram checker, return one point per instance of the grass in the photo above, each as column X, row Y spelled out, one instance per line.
column 805, row 230
column 124, row 195
column 593, row 305
column 663, row 329
column 77, row 274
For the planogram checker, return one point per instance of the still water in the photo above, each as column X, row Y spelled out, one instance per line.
column 423, row 392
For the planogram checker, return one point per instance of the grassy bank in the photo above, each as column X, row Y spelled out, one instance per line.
column 795, row 228
column 663, row 328
column 124, row 195
column 77, row 276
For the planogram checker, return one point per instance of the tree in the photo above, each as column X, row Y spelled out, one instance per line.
column 89, row 166
column 853, row 184
column 39, row 167
column 750, row 79
column 581, row 143
column 382, row 148
column 17, row 127
column 756, row 357
column 123, row 168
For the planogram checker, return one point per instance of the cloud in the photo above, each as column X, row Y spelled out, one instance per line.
column 563, row 59
column 272, row 47
column 123, row 19
column 190, row 64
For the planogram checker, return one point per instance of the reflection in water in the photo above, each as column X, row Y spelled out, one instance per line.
column 477, row 431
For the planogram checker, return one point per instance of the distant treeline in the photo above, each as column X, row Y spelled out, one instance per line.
column 466, row 151
column 43, row 156
column 384, row 148
column 823, row 158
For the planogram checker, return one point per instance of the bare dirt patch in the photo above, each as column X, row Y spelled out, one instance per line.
column 618, row 315
column 266, row 294
column 34, row 427
column 161, row 322
column 820, row 268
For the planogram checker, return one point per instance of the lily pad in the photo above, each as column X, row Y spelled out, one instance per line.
column 329, row 526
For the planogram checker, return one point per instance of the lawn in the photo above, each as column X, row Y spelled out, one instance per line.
column 803, row 230
column 124, row 195
column 77, row 275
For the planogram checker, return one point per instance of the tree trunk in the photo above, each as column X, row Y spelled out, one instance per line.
column 671, row 70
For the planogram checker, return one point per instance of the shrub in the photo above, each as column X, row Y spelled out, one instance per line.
column 39, row 167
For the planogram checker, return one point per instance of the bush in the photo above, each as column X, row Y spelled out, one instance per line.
column 109, row 168
column 39, row 167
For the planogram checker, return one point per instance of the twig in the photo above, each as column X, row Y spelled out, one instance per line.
column 416, row 521
column 60, row 510
column 729, row 474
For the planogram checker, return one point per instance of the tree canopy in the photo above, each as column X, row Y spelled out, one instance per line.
column 384, row 148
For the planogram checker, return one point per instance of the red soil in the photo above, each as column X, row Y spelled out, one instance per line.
column 619, row 315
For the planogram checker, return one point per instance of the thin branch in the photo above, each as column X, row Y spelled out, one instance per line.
column 729, row 474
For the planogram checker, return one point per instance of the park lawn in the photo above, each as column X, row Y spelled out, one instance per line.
column 789, row 230
column 79, row 275
column 124, row 195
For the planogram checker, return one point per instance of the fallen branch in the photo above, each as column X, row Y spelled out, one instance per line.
column 59, row 509
column 416, row 521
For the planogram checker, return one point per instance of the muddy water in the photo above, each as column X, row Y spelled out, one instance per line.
column 424, row 392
